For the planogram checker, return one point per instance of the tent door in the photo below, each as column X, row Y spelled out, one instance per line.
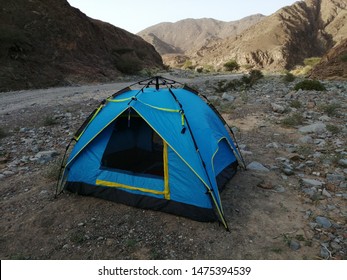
column 136, row 151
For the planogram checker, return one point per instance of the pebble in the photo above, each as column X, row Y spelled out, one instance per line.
column 324, row 253
column 343, row 162
column 277, row 108
column 312, row 182
column 324, row 222
column 294, row 245
column 228, row 97
column 256, row 166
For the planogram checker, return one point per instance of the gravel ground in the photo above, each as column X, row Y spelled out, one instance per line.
column 293, row 207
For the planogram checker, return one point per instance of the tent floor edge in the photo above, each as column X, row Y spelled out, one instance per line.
column 144, row 202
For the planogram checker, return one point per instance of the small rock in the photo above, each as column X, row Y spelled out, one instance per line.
column 110, row 242
column 288, row 171
column 318, row 127
column 310, row 163
column 312, row 182
column 324, row 252
column 335, row 178
column 279, row 189
column 311, row 192
column 265, row 185
column 273, row 145
column 326, row 193
column 277, row 108
column 335, row 246
column 213, row 98
column 294, row 157
column 307, row 139
column 80, row 224
column 294, row 245
column 45, row 156
column 324, row 222
column 324, row 118
column 256, row 166
column 343, row 162
column 228, row 97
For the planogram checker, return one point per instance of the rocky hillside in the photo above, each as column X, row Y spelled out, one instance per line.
column 48, row 43
column 333, row 65
column 197, row 33
column 306, row 29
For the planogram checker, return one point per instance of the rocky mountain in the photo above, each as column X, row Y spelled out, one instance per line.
column 333, row 65
column 48, row 43
column 160, row 46
column 189, row 35
column 284, row 39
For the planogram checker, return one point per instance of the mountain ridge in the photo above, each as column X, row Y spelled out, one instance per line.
column 280, row 41
column 46, row 43
column 197, row 32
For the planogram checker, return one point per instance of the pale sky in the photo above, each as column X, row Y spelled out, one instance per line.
column 136, row 15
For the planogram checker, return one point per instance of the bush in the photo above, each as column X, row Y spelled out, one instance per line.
column 295, row 104
column 330, row 109
column 293, row 120
column 310, row 85
column 288, row 77
column 49, row 121
column 188, row 65
column 255, row 75
column 312, row 61
column 333, row 128
column 231, row 65
column 344, row 57
column 3, row 134
column 250, row 79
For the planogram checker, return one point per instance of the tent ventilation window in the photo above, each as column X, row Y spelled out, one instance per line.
column 134, row 147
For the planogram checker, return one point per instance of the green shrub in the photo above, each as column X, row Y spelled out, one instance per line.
column 289, row 77
column 310, row 85
column 49, row 121
column 188, row 65
column 250, row 79
column 333, row 128
column 295, row 104
column 224, row 85
column 293, row 120
column 255, row 75
column 312, row 61
column 3, row 133
column 330, row 109
column 231, row 65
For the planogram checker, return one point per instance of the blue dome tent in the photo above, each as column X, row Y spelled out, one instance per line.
column 158, row 145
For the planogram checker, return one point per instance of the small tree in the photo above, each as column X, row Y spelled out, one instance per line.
column 231, row 65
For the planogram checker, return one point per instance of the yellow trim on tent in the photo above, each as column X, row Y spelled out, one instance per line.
column 97, row 134
column 95, row 114
column 119, row 100
column 166, row 171
column 160, row 108
column 118, row 185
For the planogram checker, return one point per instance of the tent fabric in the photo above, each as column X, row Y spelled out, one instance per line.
column 160, row 148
